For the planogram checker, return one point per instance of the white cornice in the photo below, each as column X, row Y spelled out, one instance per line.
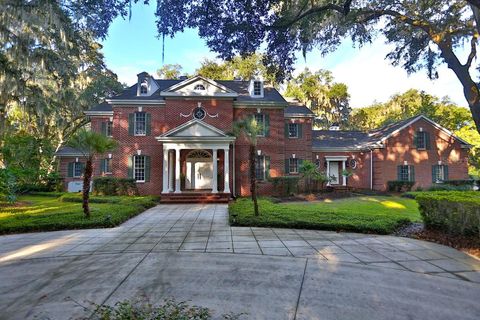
column 135, row 102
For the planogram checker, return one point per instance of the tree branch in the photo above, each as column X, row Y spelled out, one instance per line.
column 473, row 51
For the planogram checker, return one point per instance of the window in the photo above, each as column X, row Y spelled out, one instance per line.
column 139, row 168
column 406, row 173
column 77, row 169
column 422, row 140
column 107, row 166
column 140, row 124
column 199, row 87
column 257, row 88
column 293, row 130
column 108, row 128
column 439, row 173
column 144, row 87
column 260, row 119
column 260, row 168
column 293, row 165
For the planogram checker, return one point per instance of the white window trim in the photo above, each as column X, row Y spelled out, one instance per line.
column 441, row 172
column 409, row 173
column 75, row 164
column 135, row 125
column 297, row 126
column 424, row 140
column 134, row 168
column 264, row 168
column 105, row 163
column 289, row 166
column 262, row 134
column 109, row 123
column 144, row 84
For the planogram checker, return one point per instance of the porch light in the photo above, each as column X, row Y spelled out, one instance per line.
column 317, row 156
column 405, row 163
column 139, row 152
column 76, row 159
column 259, row 152
column 439, row 162
column 109, row 156
column 111, row 119
column 293, row 155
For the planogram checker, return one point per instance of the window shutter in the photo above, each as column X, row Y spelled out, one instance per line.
column 300, row 162
column 399, row 173
column 445, row 172
column 286, row 131
column 130, row 167
column 131, row 120
column 267, row 167
column 104, row 128
column 70, row 170
column 412, row 173
column 287, row 166
column 266, row 119
column 427, row 141
column 434, row 173
column 300, row 130
column 148, row 124
column 147, row 168
column 82, row 170
column 415, row 140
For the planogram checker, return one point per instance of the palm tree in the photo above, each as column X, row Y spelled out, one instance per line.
column 250, row 129
column 90, row 144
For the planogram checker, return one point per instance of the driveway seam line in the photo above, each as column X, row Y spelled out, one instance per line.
column 300, row 291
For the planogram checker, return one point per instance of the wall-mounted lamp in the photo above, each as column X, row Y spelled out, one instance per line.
column 405, row 163
column 139, row 152
column 259, row 152
column 317, row 157
column 109, row 156
column 76, row 159
column 293, row 155
column 140, row 109
column 111, row 119
column 439, row 162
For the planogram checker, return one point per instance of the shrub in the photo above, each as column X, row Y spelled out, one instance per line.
column 285, row 186
column 450, row 187
column 455, row 212
column 460, row 182
column 110, row 186
column 400, row 186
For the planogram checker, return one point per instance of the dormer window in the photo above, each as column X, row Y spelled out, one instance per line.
column 199, row 87
column 144, row 87
column 257, row 88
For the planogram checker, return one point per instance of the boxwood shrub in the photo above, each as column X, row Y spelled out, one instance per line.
column 455, row 212
column 400, row 186
column 285, row 186
column 110, row 186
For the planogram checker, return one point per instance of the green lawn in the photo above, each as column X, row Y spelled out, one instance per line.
column 367, row 214
column 42, row 213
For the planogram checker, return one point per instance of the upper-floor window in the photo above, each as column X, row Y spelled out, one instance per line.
column 405, row 173
column 439, row 173
column 257, row 88
column 139, row 166
column 293, row 130
column 199, row 87
column 260, row 119
column 144, row 87
column 293, row 165
column 108, row 128
column 77, row 169
column 140, row 124
column 422, row 140
column 260, row 168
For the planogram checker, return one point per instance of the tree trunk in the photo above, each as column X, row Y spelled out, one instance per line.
column 87, row 177
column 253, row 179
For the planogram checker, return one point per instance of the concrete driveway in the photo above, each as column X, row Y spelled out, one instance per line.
column 188, row 252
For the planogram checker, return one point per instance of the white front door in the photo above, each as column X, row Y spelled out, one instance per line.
column 334, row 172
column 203, row 175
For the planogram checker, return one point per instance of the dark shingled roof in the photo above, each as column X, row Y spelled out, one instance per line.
column 339, row 139
column 295, row 109
column 104, row 106
column 68, row 151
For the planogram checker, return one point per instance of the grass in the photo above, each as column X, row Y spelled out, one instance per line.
column 367, row 214
column 53, row 212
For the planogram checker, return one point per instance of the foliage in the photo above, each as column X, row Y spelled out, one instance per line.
column 315, row 179
column 47, row 213
column 358, row 214
column 327, row 99
column 8, row 185
column 111, row 186
column 170, row 71
column 400, row 186
column 455, row 212
column 285, row 186
column 449, row 187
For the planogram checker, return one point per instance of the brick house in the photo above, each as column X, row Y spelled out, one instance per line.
column 175, row 139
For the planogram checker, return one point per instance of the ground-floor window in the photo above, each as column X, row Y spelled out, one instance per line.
column 406, row 173
column 439, row 173
column 293, row 165
column 260, row 168
column 77, row 169
column 107, row 165
column 139, row 168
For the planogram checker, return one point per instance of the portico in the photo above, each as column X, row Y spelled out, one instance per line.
column 192, row 161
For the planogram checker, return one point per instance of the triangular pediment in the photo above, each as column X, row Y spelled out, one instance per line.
column 198, row 86
column 195, row 128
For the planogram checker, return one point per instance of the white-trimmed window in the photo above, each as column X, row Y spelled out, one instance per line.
column 140, row 124
column 108, row 128
column 260, row 119
column 199, row 87
column 293, row 165
column 107, row 165
column 144, row 87
column 139, row 168
column 77, row 169
column 257, row 88
column 260, row 166
column 422, row 140
column 293, row 130
column 405, row 173
column 439, row 173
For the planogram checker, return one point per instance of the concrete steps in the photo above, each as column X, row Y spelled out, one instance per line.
column 195, row 197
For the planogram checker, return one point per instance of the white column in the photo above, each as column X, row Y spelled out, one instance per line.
column 328, row 172
column 215, row 171
column 177, row 170
column 226, row 166
column 171, row 176
column 165, row 171
column 344, row 178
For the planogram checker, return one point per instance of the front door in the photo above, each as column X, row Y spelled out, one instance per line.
column 334, row 172
column 203, row 175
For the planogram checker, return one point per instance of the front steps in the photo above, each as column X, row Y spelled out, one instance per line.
column 195, row 197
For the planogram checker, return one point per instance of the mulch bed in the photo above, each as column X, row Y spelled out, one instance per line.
column 470, row 245
column 316, row 196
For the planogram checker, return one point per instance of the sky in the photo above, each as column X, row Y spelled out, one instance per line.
column 132, row 46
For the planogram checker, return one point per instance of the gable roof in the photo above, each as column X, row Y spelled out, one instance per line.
column 172, row 90
column 298, row 110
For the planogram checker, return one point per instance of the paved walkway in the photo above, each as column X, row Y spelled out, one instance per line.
column 190, row 253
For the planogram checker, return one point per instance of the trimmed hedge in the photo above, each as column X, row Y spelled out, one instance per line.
column 285, row 186
column 400, row 186
column 110, row 186
column 455, row 212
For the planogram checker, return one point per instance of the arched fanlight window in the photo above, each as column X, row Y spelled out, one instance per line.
column 144, row 87
column 199, row 154
column 199, row 87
